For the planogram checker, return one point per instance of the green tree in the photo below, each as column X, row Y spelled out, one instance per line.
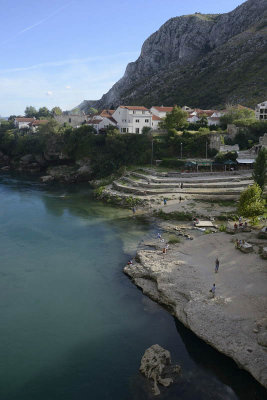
column 251, row 203
column 146, row 130
column 260, row 167
column 30, row 112
column 237, row 113
column 92, row 111
column 176, row 119
column 56, row 111
column 203, row 121
column 43, row 112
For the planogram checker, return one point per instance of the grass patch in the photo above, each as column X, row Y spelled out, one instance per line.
column 174, row 239
column 175, row 215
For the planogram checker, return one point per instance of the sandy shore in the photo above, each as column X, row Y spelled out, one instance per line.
column 235, row 321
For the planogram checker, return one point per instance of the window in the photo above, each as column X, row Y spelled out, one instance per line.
column 133, row 112
column 69, row 120
column 137, row 130
column 124, row 130
column 137, row 120
column 127, row 130
column 146, row 120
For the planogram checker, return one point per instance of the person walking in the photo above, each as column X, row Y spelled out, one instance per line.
column 180, row 199
column 165, row 201
column 217, row 264
column 182, row 185
column 212, row 290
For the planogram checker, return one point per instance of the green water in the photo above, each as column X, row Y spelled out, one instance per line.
column 73, row 327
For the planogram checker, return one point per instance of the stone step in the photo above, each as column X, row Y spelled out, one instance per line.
column 172, row 185
column 135, row 190
column 189, row 179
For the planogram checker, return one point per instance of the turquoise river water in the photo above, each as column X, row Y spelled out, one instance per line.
column 72, row 325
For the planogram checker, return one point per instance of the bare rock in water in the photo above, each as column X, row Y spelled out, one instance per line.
column 153, row 366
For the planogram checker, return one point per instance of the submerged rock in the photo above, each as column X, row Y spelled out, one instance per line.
column 153, row 366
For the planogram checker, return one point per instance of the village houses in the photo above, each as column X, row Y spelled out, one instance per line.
column 29, row 123
column 261, row 111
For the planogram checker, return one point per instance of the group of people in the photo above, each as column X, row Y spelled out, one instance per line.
column 240, row 224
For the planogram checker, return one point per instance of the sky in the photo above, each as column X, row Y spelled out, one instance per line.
column 58, row 53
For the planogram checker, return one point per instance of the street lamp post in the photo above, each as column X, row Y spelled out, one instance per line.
column 181, row 150
column 152, row 149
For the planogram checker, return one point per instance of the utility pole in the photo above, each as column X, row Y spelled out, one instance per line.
column 181, row 150
column 206, row 150
column 152, row 149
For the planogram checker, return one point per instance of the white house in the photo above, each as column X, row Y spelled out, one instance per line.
column 100, row 123
column 160, row 111
column 261, row 111
column 132, row 119
column 155, row 122
column 213, row 116
column 23, row 123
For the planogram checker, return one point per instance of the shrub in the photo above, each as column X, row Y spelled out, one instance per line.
column 173, row 240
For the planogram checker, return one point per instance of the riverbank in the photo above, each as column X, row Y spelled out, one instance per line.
column 234, row 322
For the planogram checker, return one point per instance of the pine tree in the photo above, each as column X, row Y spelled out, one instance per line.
column 259, row 173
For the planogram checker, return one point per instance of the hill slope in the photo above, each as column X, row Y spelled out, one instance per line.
column 199, row 60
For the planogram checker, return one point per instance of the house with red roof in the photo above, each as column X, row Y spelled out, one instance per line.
column 102, row 121
column 23, row 123
column 132, row 119
column 161, row 111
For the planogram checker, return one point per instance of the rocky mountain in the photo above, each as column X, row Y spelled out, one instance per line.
column 200, row 60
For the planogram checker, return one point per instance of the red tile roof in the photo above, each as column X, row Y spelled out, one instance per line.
column 156, row 118
column 107, row 113
column 163, row 109
column 19, row 119
column 94, row 121
column 39, row 122
column 135, row 108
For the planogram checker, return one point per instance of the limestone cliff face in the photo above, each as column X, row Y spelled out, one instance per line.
column 199, row 60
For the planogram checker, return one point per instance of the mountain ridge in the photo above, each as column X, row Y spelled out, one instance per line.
column 203, row 60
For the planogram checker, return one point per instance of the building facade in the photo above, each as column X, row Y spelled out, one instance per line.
column 261, row 111
column 132, row 119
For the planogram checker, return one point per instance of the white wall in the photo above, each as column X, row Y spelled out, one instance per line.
column 132, row 121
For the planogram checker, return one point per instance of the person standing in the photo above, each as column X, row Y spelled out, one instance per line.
column 212, row 290
column 182, row 185
column 165, row 201
column 217, row 264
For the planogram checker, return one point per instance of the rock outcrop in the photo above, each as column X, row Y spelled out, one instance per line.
column 234, row 322
column 153, row 366
column 198, row 60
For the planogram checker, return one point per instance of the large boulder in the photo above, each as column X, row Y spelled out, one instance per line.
column 28, row 158
column 153, row 365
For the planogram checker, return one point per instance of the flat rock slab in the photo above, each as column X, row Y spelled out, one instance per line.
column 204, row 224
column 232, row 321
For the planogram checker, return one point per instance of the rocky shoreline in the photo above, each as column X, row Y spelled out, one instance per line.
column 234, row 322
column 55, row 166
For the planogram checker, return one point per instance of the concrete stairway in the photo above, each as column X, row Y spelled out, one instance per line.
column 195, row 185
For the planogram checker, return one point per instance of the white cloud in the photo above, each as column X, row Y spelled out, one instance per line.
column 68, row 87
column 49, row 93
